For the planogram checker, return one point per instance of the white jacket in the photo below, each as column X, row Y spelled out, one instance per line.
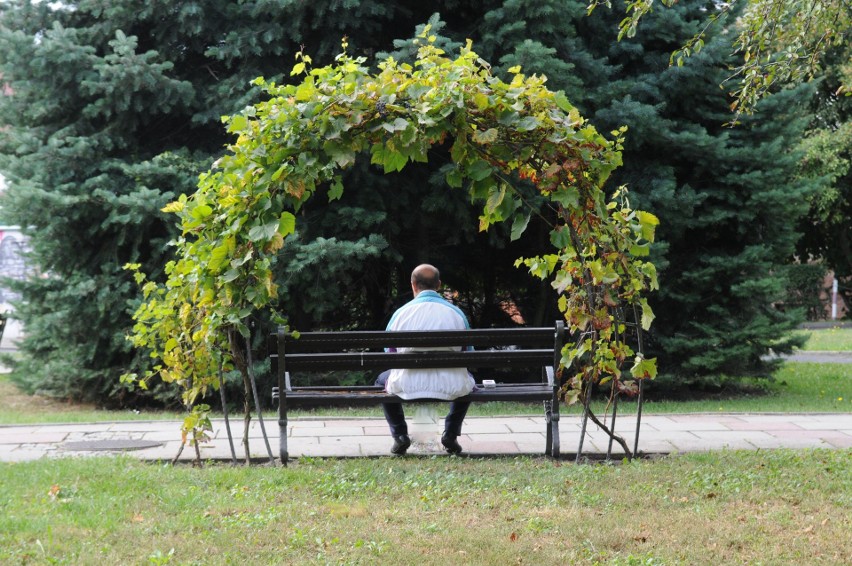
column 429, row 311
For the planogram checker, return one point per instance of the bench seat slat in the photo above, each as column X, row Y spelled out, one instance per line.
column 440, row 359
column 371, row 396
column 365, row 339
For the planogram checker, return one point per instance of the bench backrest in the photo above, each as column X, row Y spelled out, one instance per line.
column 353, row 350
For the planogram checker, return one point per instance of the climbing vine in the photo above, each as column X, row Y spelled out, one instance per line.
column 302, row 137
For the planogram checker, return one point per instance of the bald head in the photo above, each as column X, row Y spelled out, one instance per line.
column 425, row 277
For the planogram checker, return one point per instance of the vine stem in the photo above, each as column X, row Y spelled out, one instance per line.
column 641, row 381
column 612, row 435
column 240, row 363
column 590, row 299
column 225, row 414
column 587, row 412
column 257, row 399
column 197, row 452
column 179, row 452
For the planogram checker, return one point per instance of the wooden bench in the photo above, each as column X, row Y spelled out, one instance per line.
column 538, row 348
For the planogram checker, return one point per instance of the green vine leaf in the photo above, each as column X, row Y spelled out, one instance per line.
column 519, row 225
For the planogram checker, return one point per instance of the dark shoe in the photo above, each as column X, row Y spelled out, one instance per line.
column 450, row 443
column 400, row 444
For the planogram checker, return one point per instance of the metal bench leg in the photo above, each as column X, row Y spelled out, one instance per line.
column 281, row 397
column 554, row 424
column 548, row 419
column 282, row 439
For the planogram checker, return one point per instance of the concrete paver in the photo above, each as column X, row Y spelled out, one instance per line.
column 359, row 437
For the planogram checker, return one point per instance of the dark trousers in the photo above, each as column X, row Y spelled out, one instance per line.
column 395, row 415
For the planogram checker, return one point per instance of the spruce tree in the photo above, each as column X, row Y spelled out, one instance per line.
column 115, row 110
column 728, row 198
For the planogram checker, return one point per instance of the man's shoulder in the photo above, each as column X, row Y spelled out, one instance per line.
column 431, row 299
column 439, row 312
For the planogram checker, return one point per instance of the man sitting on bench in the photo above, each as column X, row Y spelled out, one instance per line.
column 427, row 311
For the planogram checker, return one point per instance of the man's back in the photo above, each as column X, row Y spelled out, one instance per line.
column 429, row 311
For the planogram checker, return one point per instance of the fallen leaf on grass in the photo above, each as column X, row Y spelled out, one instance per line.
column 513, row 537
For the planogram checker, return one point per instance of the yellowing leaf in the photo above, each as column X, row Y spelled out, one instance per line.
column 237, row 123
column 287, row 224
column 485, row 137
column 174, row 206
column 644, row 369
column 495, row 197
column 305, row 91
column 481, row 100
column 218, row 257
column 647, row 314
column 275, row 244
column 648, row 223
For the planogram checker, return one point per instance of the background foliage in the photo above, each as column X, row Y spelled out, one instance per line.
column 116, row 110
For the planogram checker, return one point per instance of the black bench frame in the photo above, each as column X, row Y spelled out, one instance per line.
column 365, row 350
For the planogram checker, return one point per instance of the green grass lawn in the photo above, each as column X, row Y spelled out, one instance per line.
column 768, row 507
column 797, row 387
column 726, row 507
column 837, row 339
column 19, row 408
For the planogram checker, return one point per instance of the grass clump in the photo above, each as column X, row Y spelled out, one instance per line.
column 798, row 387
column 834, row 339
column 725, row 507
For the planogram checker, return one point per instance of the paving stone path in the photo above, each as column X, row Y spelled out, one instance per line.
column 483, row 436
column 362, row 437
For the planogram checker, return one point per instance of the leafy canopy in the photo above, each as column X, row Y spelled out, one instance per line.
column 779, row 41
column 297, row 142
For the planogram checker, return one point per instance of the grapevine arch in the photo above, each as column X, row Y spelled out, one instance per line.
column 298, row 141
